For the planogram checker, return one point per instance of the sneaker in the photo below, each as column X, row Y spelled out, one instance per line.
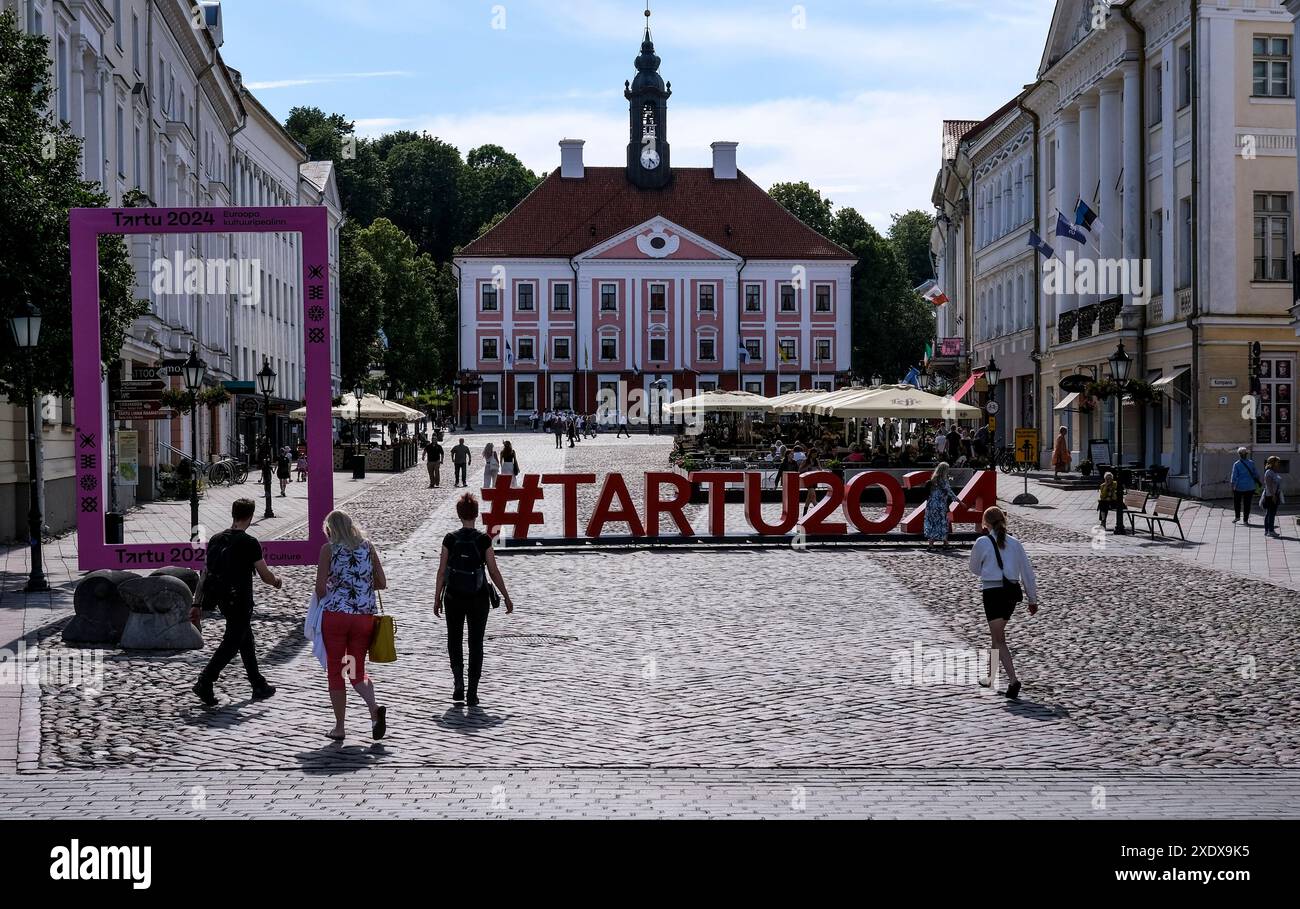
column 1236, row 520
column 263, row 691
column 381, row 724
column 458, row 694
column 1013, row 691
column 204, row 692
column 472, row 700
column 985, row 682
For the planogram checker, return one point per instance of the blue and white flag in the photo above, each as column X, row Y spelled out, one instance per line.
column 510, row 357
column 1065, row 229
column 1084, row 216
column 913, row 378
column 743, row 352
column 1041, row 245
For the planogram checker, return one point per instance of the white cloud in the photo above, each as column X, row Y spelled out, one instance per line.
column 321, row 80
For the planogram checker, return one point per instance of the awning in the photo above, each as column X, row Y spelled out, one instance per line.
column 1067, row 401
column 1166, row 381
column 975, row 376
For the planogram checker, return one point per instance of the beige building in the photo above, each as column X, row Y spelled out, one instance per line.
column 1174, row 121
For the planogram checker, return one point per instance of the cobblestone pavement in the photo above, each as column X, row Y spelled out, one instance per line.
column 718, row 682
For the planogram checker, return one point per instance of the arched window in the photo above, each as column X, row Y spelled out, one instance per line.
column 1020, row 194
column 1024, row 302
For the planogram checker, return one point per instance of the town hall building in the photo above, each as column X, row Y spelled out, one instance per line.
column 610, row 289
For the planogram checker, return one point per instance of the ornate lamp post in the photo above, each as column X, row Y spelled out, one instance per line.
column 266, row 384
column 26, row 328
column 659, row 385
column 358, row 462
column 876, row 381
column 1121, row 364
column 194, row 370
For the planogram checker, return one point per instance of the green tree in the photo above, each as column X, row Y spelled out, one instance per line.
column 412, row 315
column 40, row 180
column 361, row 306
column 425, row 178
column 492, row 183
column 909, row 234
column 363, row 183
column 806, row 204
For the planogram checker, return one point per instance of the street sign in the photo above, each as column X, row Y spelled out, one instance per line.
column 143, row 414
column 239, row 387
column 142, row 385
column 1026, row 445
column 1075, row 384
column 137, row 394
column 248, row 405
column 138, row 404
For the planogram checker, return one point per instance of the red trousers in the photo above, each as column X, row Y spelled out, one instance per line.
column 347, row 640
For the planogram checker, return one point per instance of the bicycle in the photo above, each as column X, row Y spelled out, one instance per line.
column 1007, row 461
column 224, row 472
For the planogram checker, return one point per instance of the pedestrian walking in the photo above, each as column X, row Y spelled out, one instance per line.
column 460, row 461
column 302, row 466
column 940, row 445
column 573, row 431
column 1245, row 483
column 938, row 498
column 622, row 426
column 1272, row 497
column 491, row 466
column 433, row 457
column 466, row 564
column 348, row 576
column 510, row 463
column 233, row 557
column 1006, row 577
column 1061, row 453
column 1107, row 498
column 283, row 470
column 557, row 427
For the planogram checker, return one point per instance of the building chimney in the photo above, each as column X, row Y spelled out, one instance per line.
column 724, row 160
column 571, row 167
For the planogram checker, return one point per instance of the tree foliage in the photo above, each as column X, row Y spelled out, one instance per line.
column 909, row 233
column 40, row 181
column 806, row 204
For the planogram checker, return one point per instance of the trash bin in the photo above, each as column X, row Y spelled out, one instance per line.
column 358, row 467
column 114, row 528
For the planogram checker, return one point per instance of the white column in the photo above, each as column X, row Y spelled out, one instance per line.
column 1088, row 175
column 1133, row 136
column 1067, row 188
column 1111, row 149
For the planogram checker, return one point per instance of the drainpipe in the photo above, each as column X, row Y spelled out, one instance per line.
column 1193, row 321
column 1126, row 14
column 740, row 302
column 577, row 330
column 1038, row 280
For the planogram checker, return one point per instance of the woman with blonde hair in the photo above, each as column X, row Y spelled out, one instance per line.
column 347, row 577
column 1002, row 566
column 491, row 466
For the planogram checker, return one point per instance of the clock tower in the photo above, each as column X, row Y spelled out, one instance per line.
column 648, row 165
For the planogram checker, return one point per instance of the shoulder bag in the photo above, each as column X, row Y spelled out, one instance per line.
column 383, row 641
column 1015, row 593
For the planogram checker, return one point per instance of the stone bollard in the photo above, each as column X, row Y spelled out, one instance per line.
column 160, row 614
column 188, row 575
column 101, row 612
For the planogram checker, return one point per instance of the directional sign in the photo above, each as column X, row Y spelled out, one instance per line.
column 143, row 384
column 144, row 415
column 138, row 394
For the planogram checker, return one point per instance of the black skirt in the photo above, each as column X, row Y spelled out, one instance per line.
column 997, row 604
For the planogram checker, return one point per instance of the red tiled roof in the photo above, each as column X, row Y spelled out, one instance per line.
column 564, row 218
column 953, row 132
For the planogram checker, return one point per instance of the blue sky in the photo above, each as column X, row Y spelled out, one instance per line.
column 846, row 95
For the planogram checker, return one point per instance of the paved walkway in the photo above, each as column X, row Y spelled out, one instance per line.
column 708, row 684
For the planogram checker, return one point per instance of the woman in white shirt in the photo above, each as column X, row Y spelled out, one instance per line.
column 997, row 556
column 491, row 466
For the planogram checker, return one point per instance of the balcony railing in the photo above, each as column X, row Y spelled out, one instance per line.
column 1184, row 302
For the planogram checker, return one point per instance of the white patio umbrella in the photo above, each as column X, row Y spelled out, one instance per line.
column 372, row 408
column 819, row 405
column 791, row 400
column 719, row 402
column 900, row 401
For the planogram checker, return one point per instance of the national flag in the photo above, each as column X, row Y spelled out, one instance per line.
column 929, row 351
column 1084, row 216
column 1041, row 245
column 913, row 378
column 1065, row 229
column 743, row 352
column 586, row 355
column 785, row 357
column 936, row 296
column 510, row 357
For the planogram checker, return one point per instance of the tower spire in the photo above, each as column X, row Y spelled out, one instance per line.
column 647, row 21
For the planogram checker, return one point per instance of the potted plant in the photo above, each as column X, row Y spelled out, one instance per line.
column 1086, row 468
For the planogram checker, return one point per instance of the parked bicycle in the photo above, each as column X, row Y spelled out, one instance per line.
column 1006, row 460
column 225, row 471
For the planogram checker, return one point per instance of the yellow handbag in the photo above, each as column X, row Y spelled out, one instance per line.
column 383, row 643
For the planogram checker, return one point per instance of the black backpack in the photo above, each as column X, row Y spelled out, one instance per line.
column 218, row 584
column 466, row 570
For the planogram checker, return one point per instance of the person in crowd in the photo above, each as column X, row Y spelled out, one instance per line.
column 233, row 557
column 938, row 498
column 1107, row 497
column 940, row 444
column 302, row 465
column 856, row 456
column 811, row 464
column 510, row 463
column 460, row 460
column 433, row 457
column 464, row 567
column 953, row 445
column 557, row 427
column 573, row 431
column 1061, row 453
column 1272, row 497
column 348, row 574
column 1245, row 481
column 981, row 442
column 799, row 456
column 998, row 557
column 491, row 466
column 284, row 470
column 622, row 426
column 778, row 449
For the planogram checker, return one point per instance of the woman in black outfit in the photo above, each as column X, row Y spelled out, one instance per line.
column 467, row 562
column 282, row 470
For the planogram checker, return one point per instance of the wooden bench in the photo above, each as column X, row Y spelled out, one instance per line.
column 1135, row 505
column 1165, row 512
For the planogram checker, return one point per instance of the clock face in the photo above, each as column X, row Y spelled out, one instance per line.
column 649, row 159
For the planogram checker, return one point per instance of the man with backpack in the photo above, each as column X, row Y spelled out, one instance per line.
column 467, row 562
column 227, row 583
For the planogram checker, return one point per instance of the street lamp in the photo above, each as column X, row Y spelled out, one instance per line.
column 1121, row 364
column 992, row 375
column 26, row 328
column 193, row 371
column 876, row 381
column 358, row 459
column 266, row 383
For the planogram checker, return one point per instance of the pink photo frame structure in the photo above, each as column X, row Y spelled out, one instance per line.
column 86, row 225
